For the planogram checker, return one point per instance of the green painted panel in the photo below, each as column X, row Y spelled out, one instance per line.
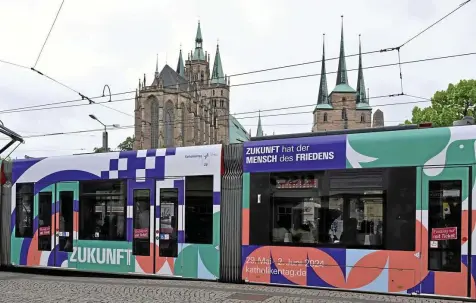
column 105, row 256
column 216, row 229
column 246, row 190
column 15, row 249
column 396, row 148
column 189, row 258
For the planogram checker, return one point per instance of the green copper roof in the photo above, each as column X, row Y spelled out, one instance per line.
column 343, row 88
column 237, row 132
column 363, row 106
column 361, row 95
column 198, row 54
column 180, row 67
column 217, row 73
column 259, row 130
column 324, row 106
column 342, row 69
column 323, row 97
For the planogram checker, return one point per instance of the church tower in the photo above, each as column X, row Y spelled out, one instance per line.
column 184, row 106
column 344, row 107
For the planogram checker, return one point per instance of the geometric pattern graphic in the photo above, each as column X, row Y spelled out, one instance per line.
column 143, row 169
column 435, row 152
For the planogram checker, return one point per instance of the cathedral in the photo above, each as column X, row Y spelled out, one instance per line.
column 189, row 105
column 344, row 107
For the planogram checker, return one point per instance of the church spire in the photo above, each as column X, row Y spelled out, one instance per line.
column 342, row 69
column 157, row 67
column 323, row 97
column 259, row 130
column 198, row 54
column 361, row 93
column 180, row 67
column 217, row 73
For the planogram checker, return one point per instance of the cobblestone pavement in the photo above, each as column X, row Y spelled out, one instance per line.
column 19, row 287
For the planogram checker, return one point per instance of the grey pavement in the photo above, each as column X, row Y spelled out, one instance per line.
column 20, row 287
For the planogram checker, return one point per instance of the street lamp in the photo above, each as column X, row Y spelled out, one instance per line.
column 104, row 134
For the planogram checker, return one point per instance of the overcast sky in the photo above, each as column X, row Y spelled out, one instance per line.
column 115, row 42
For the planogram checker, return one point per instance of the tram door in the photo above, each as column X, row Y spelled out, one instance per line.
column 446, row 199
column 66, row 222
column 143, row 231
column 169, row 225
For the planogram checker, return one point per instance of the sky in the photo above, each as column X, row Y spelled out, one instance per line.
column 95, row 43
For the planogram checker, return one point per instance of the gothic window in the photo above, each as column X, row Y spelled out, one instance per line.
column 325, row 117
column 344, row 114
column 202, row 76
column 362, row 118
column 183, row 124
column 213, row 92
column 221, row 92
column 221, row 103
column 154, row 127
column 169, row 124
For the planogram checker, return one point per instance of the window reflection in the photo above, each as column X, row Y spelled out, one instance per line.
column 303, row 213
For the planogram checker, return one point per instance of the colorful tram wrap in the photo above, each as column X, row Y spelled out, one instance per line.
column 390, row 212
column 147, row 211
column 383, row 210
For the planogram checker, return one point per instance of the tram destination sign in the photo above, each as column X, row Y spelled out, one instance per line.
column 295, row 154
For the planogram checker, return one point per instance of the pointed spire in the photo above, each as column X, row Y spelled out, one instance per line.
column 361, row 93
column 323, row 97
column 259, row 130
column 342, row 69
column 217, row 73
column 198, row 54
column 157, row 67
column 180, row 67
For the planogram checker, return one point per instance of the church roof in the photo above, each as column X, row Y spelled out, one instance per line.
column 237, row 132
column 218, row 77
column 343, row 88
column 171, row 78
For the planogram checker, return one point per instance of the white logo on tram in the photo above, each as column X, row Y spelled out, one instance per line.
column 106, row 256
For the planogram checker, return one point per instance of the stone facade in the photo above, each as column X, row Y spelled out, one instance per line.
column 343, row 114
column 184, row 107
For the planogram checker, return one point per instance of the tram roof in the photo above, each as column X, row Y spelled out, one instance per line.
column 338, row 132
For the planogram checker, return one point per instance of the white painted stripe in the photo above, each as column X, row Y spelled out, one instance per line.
column 216, row 208
column 181, row 214
column 129, row 211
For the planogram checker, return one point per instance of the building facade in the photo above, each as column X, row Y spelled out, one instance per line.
column 186, row 106
column 344, row 107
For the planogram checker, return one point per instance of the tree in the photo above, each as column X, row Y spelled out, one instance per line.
column 100, row 150
column 448, row 105
column 127, row 144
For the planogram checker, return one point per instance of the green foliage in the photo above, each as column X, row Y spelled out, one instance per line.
column 100, row 150
column 128, row 144
column 448, row 105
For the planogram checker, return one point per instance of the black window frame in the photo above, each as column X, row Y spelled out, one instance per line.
column 45, row 241
column 141, row 246
column 261, row 185
column 82, row 235
column 28, row 233
column 189, row 214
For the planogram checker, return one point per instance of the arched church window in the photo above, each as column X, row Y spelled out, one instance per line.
column 169, row 124
column 325, row 117
column 344, row 114
column 183, row 124
column 154, row 127
column 213, row 92
column 362, row 118
column 221, row 103
column 202, row 76
column 221, row 92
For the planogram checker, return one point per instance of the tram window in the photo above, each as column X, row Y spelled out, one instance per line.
column 199, row 209
column 102, row 210
column 65, row 237
column 24, row 211
column 44, row 221
column 141, row 215
column 444, row 226
column 168, row 222
column 359, row 208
